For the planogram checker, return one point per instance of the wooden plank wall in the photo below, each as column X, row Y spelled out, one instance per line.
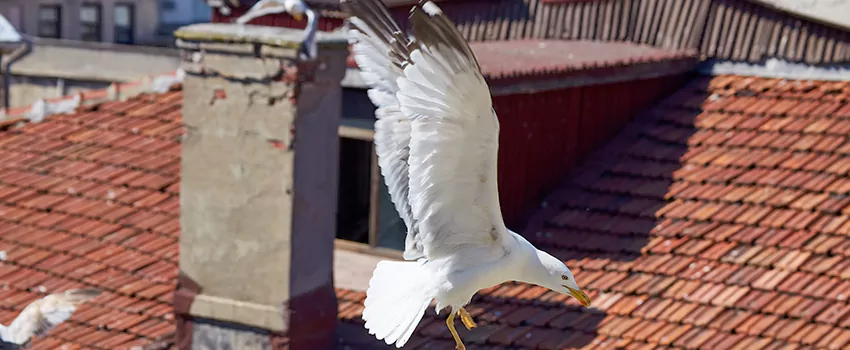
column 544, row 135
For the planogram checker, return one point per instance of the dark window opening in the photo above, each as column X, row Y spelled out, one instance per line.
column 124, row 23
column 355, row 188
column 50, row 21
column 168, row 5
column 90, row 22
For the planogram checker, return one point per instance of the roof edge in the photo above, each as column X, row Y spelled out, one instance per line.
column 776, row 68
column 593, row 74
column 46, row 107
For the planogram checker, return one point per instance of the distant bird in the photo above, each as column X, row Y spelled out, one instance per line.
column 44, row 314
column 297, row 9
column 437, row 142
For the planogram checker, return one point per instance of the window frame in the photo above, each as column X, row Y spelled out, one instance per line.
column 57, row 24
column 131, row 30
column 98, row 25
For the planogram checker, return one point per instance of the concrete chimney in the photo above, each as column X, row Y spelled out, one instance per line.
column 258, row 188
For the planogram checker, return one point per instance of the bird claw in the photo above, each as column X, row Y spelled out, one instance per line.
column 466, row 319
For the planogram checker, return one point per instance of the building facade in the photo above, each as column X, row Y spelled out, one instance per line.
column 146, row 22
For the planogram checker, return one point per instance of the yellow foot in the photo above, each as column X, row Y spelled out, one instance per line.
column 450, row 322
column 466, row 318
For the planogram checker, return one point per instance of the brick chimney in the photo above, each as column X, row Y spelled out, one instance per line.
column 258, row 188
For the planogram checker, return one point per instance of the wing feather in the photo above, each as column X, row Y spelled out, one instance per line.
column 450, row 139
column 380, row 50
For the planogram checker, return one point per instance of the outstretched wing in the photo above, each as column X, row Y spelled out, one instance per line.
column 380, row 50
column 434, row 87
column 46, row 313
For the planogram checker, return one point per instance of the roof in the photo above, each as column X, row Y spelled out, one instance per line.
column 91, row 199
column 718, row 219
column 531, row 60
column 714, row 219
column 504, row 59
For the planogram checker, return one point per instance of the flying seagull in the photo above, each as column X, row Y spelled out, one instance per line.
column 437, row 140
column 298, row 9
column 44, row 314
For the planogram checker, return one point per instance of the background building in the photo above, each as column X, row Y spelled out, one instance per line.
column 145, row 22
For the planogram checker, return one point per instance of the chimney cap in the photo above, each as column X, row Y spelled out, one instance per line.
column 271, row 36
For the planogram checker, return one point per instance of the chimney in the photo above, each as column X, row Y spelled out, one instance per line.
column 258, row 188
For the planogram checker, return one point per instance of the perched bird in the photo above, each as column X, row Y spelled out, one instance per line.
column 44, row 314
column 298, row 9
column 437, row 140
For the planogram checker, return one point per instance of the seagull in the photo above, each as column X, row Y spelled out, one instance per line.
column 44, row 314
column 298, row 9
column 436, row 137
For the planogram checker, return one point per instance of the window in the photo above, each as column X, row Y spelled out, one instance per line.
column 50, row 21
column 90, row 22
column 124, row 23
column 168, row 5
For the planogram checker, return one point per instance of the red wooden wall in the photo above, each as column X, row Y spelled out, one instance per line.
column 277, row 20
column 544, row 135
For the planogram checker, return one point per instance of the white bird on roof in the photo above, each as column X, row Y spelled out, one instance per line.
column 437, row 140
column 42, row 315
column 298, row 9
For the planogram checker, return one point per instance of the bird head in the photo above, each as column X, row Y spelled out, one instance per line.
column 296, row 8
column 559, row 278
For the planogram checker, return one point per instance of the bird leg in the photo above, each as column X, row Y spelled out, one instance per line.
column 466, row 318
column 450, row 322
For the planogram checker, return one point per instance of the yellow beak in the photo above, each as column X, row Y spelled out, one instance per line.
column 582, row 298
column 298, row 16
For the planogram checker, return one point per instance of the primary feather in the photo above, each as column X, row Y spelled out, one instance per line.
column 436, row 134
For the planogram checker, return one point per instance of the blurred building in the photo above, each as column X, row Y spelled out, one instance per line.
column 144, row 22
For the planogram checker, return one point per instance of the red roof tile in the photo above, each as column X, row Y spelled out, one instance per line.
column 86, row 199
column 720, row 227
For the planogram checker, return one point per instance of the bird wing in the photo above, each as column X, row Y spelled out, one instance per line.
column 438, row 116
column 260, row 9
column 44, row 314
column 380, row 50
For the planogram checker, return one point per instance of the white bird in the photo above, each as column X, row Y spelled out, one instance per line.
column 437, row 140
column 44, row 314
column 298, row 9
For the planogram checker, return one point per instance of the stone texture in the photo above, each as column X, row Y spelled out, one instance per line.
column 259, row 181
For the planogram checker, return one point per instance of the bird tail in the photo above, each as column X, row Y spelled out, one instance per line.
column 396, row 300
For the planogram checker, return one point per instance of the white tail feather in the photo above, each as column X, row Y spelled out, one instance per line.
column 396, row 300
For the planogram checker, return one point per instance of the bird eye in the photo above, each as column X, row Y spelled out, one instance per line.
column 564, row 277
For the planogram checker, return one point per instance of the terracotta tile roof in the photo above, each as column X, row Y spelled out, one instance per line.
column 716, row 221
column 91, row 199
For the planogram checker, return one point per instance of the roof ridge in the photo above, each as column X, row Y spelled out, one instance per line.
column 45, row 107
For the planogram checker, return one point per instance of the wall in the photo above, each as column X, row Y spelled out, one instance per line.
column 77, row 65
column 544, row 135
column 146, row 17
column 25, row 90
column 185, row 12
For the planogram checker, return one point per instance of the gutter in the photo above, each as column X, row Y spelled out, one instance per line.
column 7, row 73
